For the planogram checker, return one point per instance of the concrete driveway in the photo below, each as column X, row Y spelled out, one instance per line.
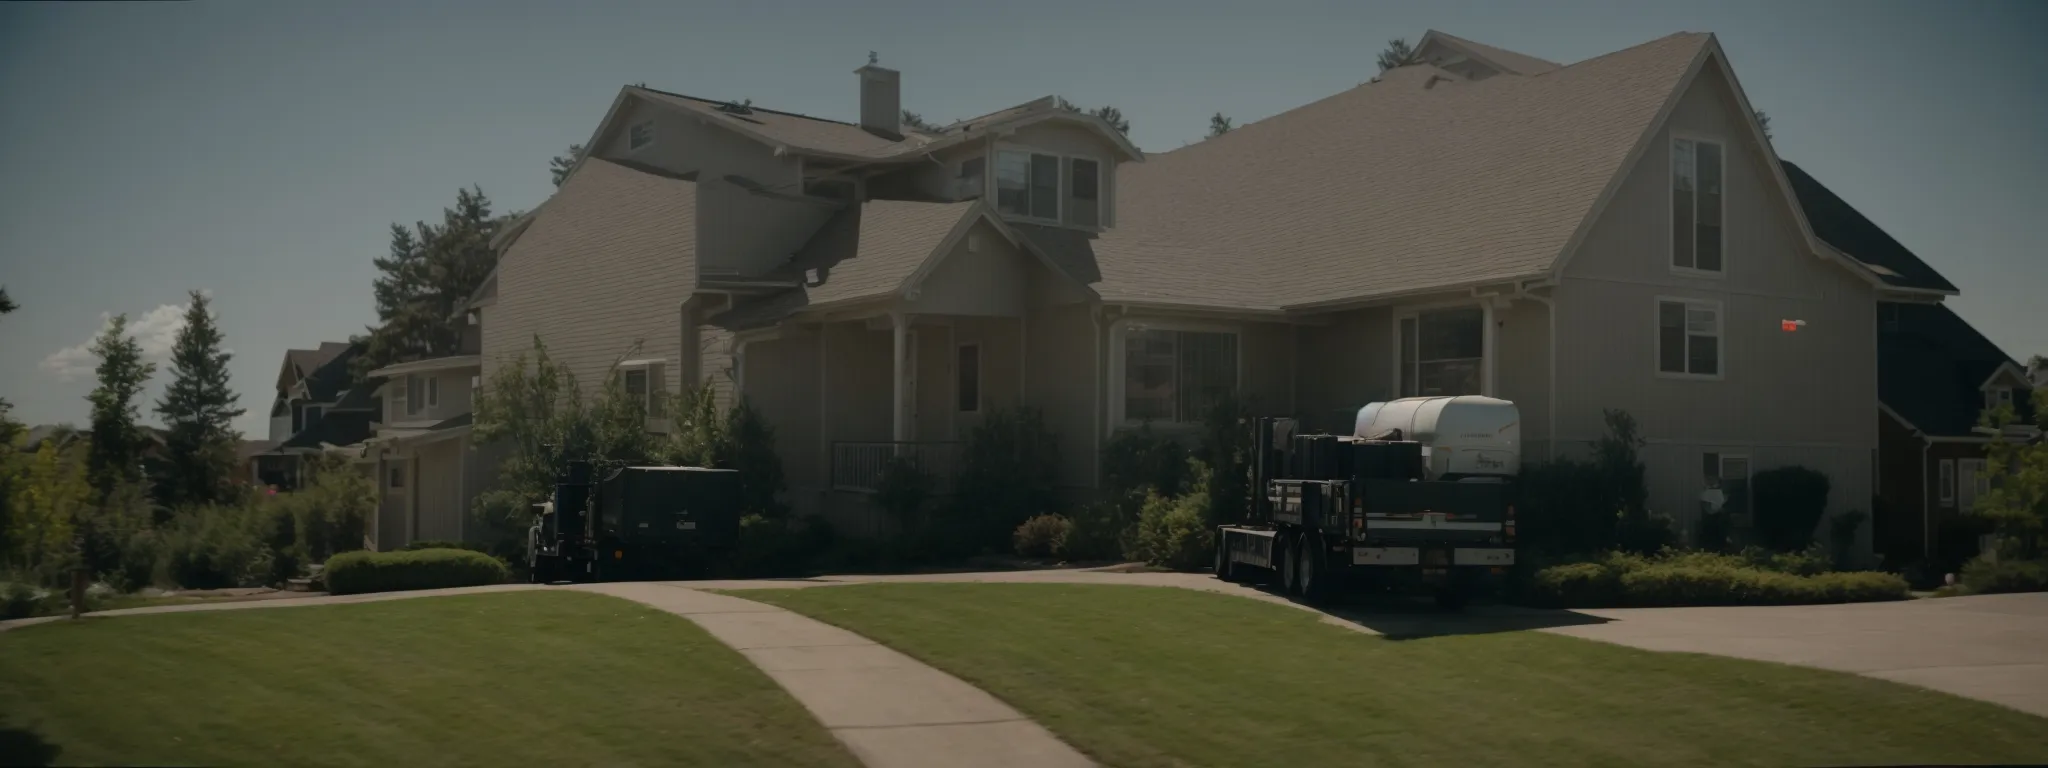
column 1991, row 647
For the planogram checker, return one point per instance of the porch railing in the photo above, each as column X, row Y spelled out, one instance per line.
column 858, row 466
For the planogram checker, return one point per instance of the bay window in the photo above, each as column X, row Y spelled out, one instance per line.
column 1696, row 196
column 1084, row 192
column 1176, row 376
column 1443, row 352
column 1050, row 187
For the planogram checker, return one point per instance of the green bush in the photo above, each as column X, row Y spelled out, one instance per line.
column 1136, row 459
column 438, row 544
column 1984, row 575
column 1007, row 475
column 217, row 546
column 1175, row 532
column 363, row 571
column 1674, row 578
column 1098, row 531
column 1041, row 536
column 780, row 546
column 1789, row 504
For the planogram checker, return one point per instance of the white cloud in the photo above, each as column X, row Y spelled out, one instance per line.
column 155, row 331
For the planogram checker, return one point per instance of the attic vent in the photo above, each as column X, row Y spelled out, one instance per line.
column 737, row 107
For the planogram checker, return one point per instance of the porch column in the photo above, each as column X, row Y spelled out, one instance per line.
column 899, row 327
column 1486, row 341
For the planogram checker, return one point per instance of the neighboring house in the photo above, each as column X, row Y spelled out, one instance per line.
column 314, row 411
column 1936, row 377
column 1611, row 234
column 427, row 473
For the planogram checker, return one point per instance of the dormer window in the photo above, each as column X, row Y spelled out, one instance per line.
column 1049, row 187
column 639, row 135
column 1999, row 397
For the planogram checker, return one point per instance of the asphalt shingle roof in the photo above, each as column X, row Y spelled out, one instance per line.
column 861, row 252
column 1839, row 224
column 800, row 131
column 1411, row 182
column 1930, row 365
column 1521, row 63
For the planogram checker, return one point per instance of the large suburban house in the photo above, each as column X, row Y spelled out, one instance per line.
column 1615, row 233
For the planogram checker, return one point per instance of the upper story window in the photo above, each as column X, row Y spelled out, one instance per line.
column 1442, row 352
column 1051, row 187
column 639, row 134
column 415, row 394
column 642, row 381
column 1689, row 338
column 1084, row 192
column 1696, row 205
column 1176, row 376
column 1997, row 398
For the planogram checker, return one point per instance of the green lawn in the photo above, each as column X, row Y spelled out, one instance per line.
column 1141, row 676
column 517, row 678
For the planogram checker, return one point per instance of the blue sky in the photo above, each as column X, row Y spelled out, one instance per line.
column 261, row 150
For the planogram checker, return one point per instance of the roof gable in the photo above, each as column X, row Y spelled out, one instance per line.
column 1841, row 226
column 1932, row 367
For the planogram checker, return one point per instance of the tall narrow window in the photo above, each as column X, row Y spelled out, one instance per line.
column 415, row 395
column 1948, row 482
column 636, row 386
column 1085, row 192
column 1442, row 352
column 1696, row 205
column 1689, row 338
column 968, row 378
column 433, row 392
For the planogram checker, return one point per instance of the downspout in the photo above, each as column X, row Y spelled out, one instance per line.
column 1550, row 420
column 1926, row 509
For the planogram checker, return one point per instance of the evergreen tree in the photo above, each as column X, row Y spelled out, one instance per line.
column 1397, row 54
column 431, row 271
column 198, row 409
column 6, row 304
column 916, row 121
column 116, row 455
column 1764, row 121
column 1218, row 125
column 560, row 165
column 1114, row 117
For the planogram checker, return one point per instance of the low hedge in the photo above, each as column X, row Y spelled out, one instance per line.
column 1689, row 579
column 363, row 571
column 1982, row 576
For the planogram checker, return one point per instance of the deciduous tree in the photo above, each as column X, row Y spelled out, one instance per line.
column 2017, row 505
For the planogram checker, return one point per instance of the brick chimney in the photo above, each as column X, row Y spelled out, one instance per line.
column 881, row 100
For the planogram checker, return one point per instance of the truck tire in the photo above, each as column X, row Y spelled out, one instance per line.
column 1225, row 570
column 1290, row 574
column 1312, row 566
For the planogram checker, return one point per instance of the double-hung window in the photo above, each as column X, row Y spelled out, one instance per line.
column 1028, row 184
column 1176, row 376
column 1697, row 171
column 1443, row 352
column 1688, row 337
column 415, row 394
column 1084, row 192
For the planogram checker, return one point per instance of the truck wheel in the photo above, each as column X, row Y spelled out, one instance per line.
column 1290, row 572
column 1309, row 561
column 1225, row 570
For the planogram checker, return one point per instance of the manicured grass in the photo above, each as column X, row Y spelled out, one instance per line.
column 516, row 678
column 1139, row 676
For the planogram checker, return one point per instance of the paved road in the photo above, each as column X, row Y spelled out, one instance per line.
column 1993, row 647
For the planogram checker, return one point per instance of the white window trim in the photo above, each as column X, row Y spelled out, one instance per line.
column 1720, row 337
column 656, row 388
column 1486, row 339
column 1945, row 482
column 1102, row 196
column 1670, row 195
column 649, row 124
column 1120, row 328
column 980, row 369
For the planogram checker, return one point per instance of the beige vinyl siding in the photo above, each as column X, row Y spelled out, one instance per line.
column 454, row 396
column 989, row 280
column 594, row 305
column 1783, row 398
column 714, row 364
column 858, row 363
column 683, row 144
column 782, row 383
column 1001, row 371
column 1522, row 370
column 1062, row 374
column 748, row 233
column 1344, row 365
column 440, row 514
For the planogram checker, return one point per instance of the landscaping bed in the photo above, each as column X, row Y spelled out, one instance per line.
column 1145, row 676
column 1674, row 578
column 516, row 678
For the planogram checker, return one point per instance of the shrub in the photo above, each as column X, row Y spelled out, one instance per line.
column 1099, row 531
column 1175, row 532
column 1842, row 538
column 363, row 571
column 1706, row 578
column 1136, row 459
column 1990, row 574
column 437, row 544
column 1007, row 475
column 1042, row 536
column 1565, row 506
column 780, row 546
column 1789, row 503
column 1227, row 452
column 217, row 546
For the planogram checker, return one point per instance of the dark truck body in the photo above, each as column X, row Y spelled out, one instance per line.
column 1327, row 511
column 636, row 523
